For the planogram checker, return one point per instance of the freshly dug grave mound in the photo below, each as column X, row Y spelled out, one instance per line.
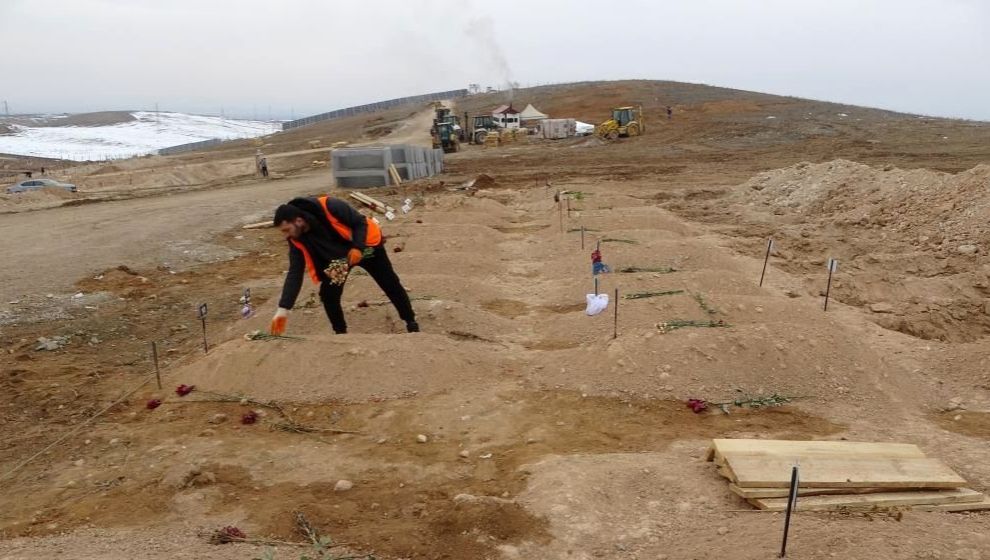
column 349, row 368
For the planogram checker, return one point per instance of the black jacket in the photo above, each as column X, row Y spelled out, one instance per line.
column 322, row 242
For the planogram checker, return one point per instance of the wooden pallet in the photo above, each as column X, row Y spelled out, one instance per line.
column 844, row 472
column 804, row 449
column 841, row 475
column 752, row 493
column 956, row 496
column 968, row 506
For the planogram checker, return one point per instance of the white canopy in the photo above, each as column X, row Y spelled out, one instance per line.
column 531, row 113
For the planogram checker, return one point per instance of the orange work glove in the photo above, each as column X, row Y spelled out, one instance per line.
column 279, row 321
column 353, row 257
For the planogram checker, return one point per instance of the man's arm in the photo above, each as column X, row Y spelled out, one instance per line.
column 293, row 279
column 352, row 219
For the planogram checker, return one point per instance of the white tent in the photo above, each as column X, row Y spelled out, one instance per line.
column 531, row 113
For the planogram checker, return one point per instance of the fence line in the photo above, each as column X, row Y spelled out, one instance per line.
column 339, row 113
column 191, row 146
column 372, row 107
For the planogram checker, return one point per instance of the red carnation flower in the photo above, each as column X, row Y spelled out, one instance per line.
column 183, row 390
column 226, row 535
column 697, row 405
column 249, row 418
column 153, row 404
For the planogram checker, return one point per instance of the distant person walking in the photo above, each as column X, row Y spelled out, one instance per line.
column 263, row 164
column 670, row 113
column 258, row 156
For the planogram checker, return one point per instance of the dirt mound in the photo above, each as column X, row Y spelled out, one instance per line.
column 325, row 368
column 484, row 181
column 44, row 198
column 118, row 177
column 912, row 244
column 940, row 211
column 589, row 142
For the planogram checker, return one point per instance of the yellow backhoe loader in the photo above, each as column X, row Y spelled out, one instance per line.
column 625, row 121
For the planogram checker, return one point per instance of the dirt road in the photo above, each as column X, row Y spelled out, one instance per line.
column 173, row 229
column 48, row 251
column 415, row 131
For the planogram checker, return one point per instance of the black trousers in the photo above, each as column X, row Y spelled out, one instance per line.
column 380, row 269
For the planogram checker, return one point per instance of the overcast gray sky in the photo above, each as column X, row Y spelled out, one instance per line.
column 306, row 56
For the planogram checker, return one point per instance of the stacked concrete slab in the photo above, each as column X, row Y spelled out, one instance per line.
column 553, row 129
column 364, row 168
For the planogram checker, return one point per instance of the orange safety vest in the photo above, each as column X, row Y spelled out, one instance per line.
column 373, row 239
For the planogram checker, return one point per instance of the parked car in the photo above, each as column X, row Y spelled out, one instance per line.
column 35, row 184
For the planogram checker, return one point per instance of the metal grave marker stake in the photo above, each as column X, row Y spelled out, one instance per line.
column 791, row 507
column 766, row 259
column 833, row 266
column 202, row 318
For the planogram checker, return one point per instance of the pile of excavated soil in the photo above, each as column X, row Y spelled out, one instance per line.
column 912, row 244
column 119, row 177
column 483, row 181
column 43, row 198
column 941, row 212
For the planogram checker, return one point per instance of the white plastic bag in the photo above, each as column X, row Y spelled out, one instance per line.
column 597, row 303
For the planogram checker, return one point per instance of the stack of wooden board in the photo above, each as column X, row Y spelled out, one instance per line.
column 841, row 475
column 374, row 204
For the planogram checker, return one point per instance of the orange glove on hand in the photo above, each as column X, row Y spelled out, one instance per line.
column 279, row 321
column 353, row 257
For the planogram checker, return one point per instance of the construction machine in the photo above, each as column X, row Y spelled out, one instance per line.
column 625, row 121
column 446, row 115
column 482, row 126
column 445, row 136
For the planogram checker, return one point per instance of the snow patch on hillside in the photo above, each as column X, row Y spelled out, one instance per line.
column 149, row 133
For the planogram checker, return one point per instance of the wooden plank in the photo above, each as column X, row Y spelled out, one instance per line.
column 844, row 472
column 726, row 471
column 799, row 449
column 372, row 203
column 753, row 493
column 710, row 452
column 394, row 173
column 966, row 506
column 868, row 501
